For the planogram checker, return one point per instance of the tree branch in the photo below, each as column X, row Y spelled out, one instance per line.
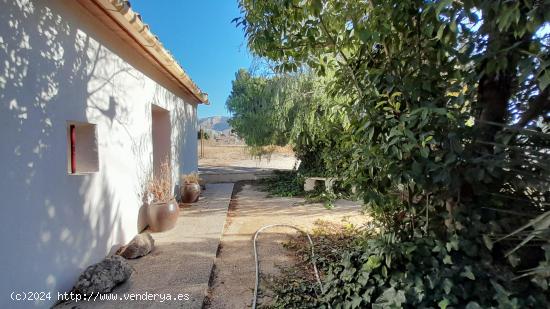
column 539, row 106
column 346, row 60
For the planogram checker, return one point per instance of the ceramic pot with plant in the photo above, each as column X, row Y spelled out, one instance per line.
column 190, row 188
column 162, row 208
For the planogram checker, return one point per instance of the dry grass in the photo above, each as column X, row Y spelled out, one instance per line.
column 228, row 152
column 239, row 155
column 330, row 239
column 160, row 186
column 190, row 178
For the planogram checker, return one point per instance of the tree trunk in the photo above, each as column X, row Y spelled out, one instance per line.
column 494, row 91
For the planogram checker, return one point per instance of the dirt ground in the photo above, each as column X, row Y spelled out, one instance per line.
column 232, row 283
column 238, row 156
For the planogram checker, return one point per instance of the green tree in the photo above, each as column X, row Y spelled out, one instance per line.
column 256, row 114
column 416, row 73
column 440, row 108
column 203, row 134
column 286, row 109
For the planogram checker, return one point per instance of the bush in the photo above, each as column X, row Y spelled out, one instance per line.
column 386, row 271
column 291, row 184
column 204, row 134
column 284, row 184
column 426, row 272
column 296, row 286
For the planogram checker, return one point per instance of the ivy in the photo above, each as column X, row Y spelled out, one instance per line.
column 384, row 271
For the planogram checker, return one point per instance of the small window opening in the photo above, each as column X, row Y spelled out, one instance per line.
column 82, row 148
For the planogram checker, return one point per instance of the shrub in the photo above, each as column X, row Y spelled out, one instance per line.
column 284, row 184
column 458, row 270
column 426, row 272
column 190, row 178
column 296, row 286
column 204, row 134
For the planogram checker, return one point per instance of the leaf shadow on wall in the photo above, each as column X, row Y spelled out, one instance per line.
column 52, row 225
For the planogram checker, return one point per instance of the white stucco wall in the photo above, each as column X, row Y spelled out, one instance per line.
column 59, row 64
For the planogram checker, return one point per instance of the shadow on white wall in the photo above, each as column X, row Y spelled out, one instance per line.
column 54, row 224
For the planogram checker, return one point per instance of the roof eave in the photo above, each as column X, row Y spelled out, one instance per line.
column 130, row 22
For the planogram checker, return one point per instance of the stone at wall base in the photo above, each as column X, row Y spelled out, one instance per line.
column 103, row 276
column 141, row 245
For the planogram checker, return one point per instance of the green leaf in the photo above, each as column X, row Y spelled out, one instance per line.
column 544, row 80
column 447, row 285
column 452, row 26
column 543, row 283
column 363, row 35
column 443, row 303
column 441, row 32
column 499, row 288
column 356, row 301
column 473, row 305
column 442, row 5
column 467, row 273
column 424, row 152
column 372, row 263
column 317, row 6
column 390, row 298
column 514, row 260
column 452, row 244
column 447, row 260
column 487, row 241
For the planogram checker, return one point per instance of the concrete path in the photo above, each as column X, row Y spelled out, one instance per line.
column 225, row 164
column 234, row 273
column 182, row 261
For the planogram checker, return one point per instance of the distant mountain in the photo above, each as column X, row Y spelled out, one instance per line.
column 218, row 124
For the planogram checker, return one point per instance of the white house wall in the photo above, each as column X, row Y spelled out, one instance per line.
column 59, row 64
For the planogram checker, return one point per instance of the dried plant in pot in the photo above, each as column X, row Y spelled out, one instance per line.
column 162, row 208
column 190, row 188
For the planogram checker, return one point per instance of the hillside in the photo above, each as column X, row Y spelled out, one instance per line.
column 215, row 123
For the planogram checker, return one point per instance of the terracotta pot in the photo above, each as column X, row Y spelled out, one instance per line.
column 190, row 192
column 162, row 216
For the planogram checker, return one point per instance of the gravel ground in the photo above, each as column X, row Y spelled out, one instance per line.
column 232, row 283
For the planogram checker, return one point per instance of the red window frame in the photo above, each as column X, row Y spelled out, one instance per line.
column 72, row 132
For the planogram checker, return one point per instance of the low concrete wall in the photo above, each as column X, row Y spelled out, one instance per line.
column 234, row 177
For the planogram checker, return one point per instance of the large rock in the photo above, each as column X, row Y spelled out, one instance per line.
column 141, row 245
column 103, row 276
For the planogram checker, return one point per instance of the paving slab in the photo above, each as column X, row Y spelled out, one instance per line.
column 181, row 263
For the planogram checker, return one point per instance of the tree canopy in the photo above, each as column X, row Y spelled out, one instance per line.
column 427, row 107
column 416, row 75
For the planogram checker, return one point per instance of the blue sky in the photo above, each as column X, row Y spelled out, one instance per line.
column 204, row 41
